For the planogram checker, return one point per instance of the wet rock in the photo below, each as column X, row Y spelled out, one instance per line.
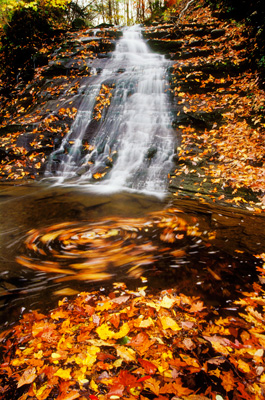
column 39, row 60
column 79, row 23
column 151, row 152
column 199, row 119
column 184, row 55
column 216, row 33
column 164, row 47
column 82, row 170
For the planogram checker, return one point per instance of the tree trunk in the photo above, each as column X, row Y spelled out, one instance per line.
column 110, row 11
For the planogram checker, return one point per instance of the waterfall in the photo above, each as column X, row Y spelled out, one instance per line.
column 132, row 142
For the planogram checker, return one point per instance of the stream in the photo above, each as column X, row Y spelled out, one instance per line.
column 68, row 233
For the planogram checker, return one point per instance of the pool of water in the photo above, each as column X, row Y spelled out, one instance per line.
column 57, row 241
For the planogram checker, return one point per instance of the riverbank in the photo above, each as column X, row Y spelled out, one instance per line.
column 219, row 109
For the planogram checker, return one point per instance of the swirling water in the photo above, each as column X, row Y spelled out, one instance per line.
column 56, row 240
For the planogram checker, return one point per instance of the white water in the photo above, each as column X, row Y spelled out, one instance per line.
column 136, row 126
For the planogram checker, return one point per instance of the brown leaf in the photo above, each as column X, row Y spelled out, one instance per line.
column 28, row 377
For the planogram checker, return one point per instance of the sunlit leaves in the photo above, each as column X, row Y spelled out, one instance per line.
column 102, row 101
column 161, row 359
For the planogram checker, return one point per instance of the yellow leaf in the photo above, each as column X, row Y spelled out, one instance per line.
column 126, row 353
column 104, row 332
column 146, row 323
column 64, row 373
column 93, row 385
column 167, row 302
column 125, row 329
column 168, row 322
column 243, row 366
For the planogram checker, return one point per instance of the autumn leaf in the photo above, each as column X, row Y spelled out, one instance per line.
column 148, row 366
column 28, row 376
column 64, row 373
column 153, row 385
column 73, row 394
column 228, row 381
column 126, row 353
column 116, row 390
column 169, row 323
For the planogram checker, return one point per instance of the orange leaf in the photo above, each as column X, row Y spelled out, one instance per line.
column 228, row 381
column 69, row 396
column 116, row 390
column 153, row 385
column 28, row 377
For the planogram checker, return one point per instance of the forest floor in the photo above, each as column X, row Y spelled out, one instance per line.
column 217, row 100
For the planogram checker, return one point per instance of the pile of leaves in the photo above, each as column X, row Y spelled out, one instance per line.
column 136, row 345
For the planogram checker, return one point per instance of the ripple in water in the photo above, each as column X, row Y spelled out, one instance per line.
column 98, row 251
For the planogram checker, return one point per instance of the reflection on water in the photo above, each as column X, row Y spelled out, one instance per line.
column 58, row 241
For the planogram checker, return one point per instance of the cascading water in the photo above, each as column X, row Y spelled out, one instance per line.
column 133, row 142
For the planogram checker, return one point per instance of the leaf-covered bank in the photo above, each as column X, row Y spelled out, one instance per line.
column 137, row 345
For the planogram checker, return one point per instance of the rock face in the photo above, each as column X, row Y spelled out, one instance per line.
column 209, row 65
column 39, row 114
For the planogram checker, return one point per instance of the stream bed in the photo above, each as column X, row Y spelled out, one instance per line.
column 57, row 241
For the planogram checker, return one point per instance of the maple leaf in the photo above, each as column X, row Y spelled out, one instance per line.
column 169, row 323
column 175, row 387
column 141, row 342
column 228, row 380
column 64, row 373
column 148, row 366
column 197, row 307
column 153, row 385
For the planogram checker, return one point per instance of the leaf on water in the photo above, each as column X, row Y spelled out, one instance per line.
column 197, row 307
column 65, row 292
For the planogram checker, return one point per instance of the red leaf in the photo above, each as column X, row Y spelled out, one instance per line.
column 93, row 397
column 149, row 367
column 116, row 390
column 144, row 378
